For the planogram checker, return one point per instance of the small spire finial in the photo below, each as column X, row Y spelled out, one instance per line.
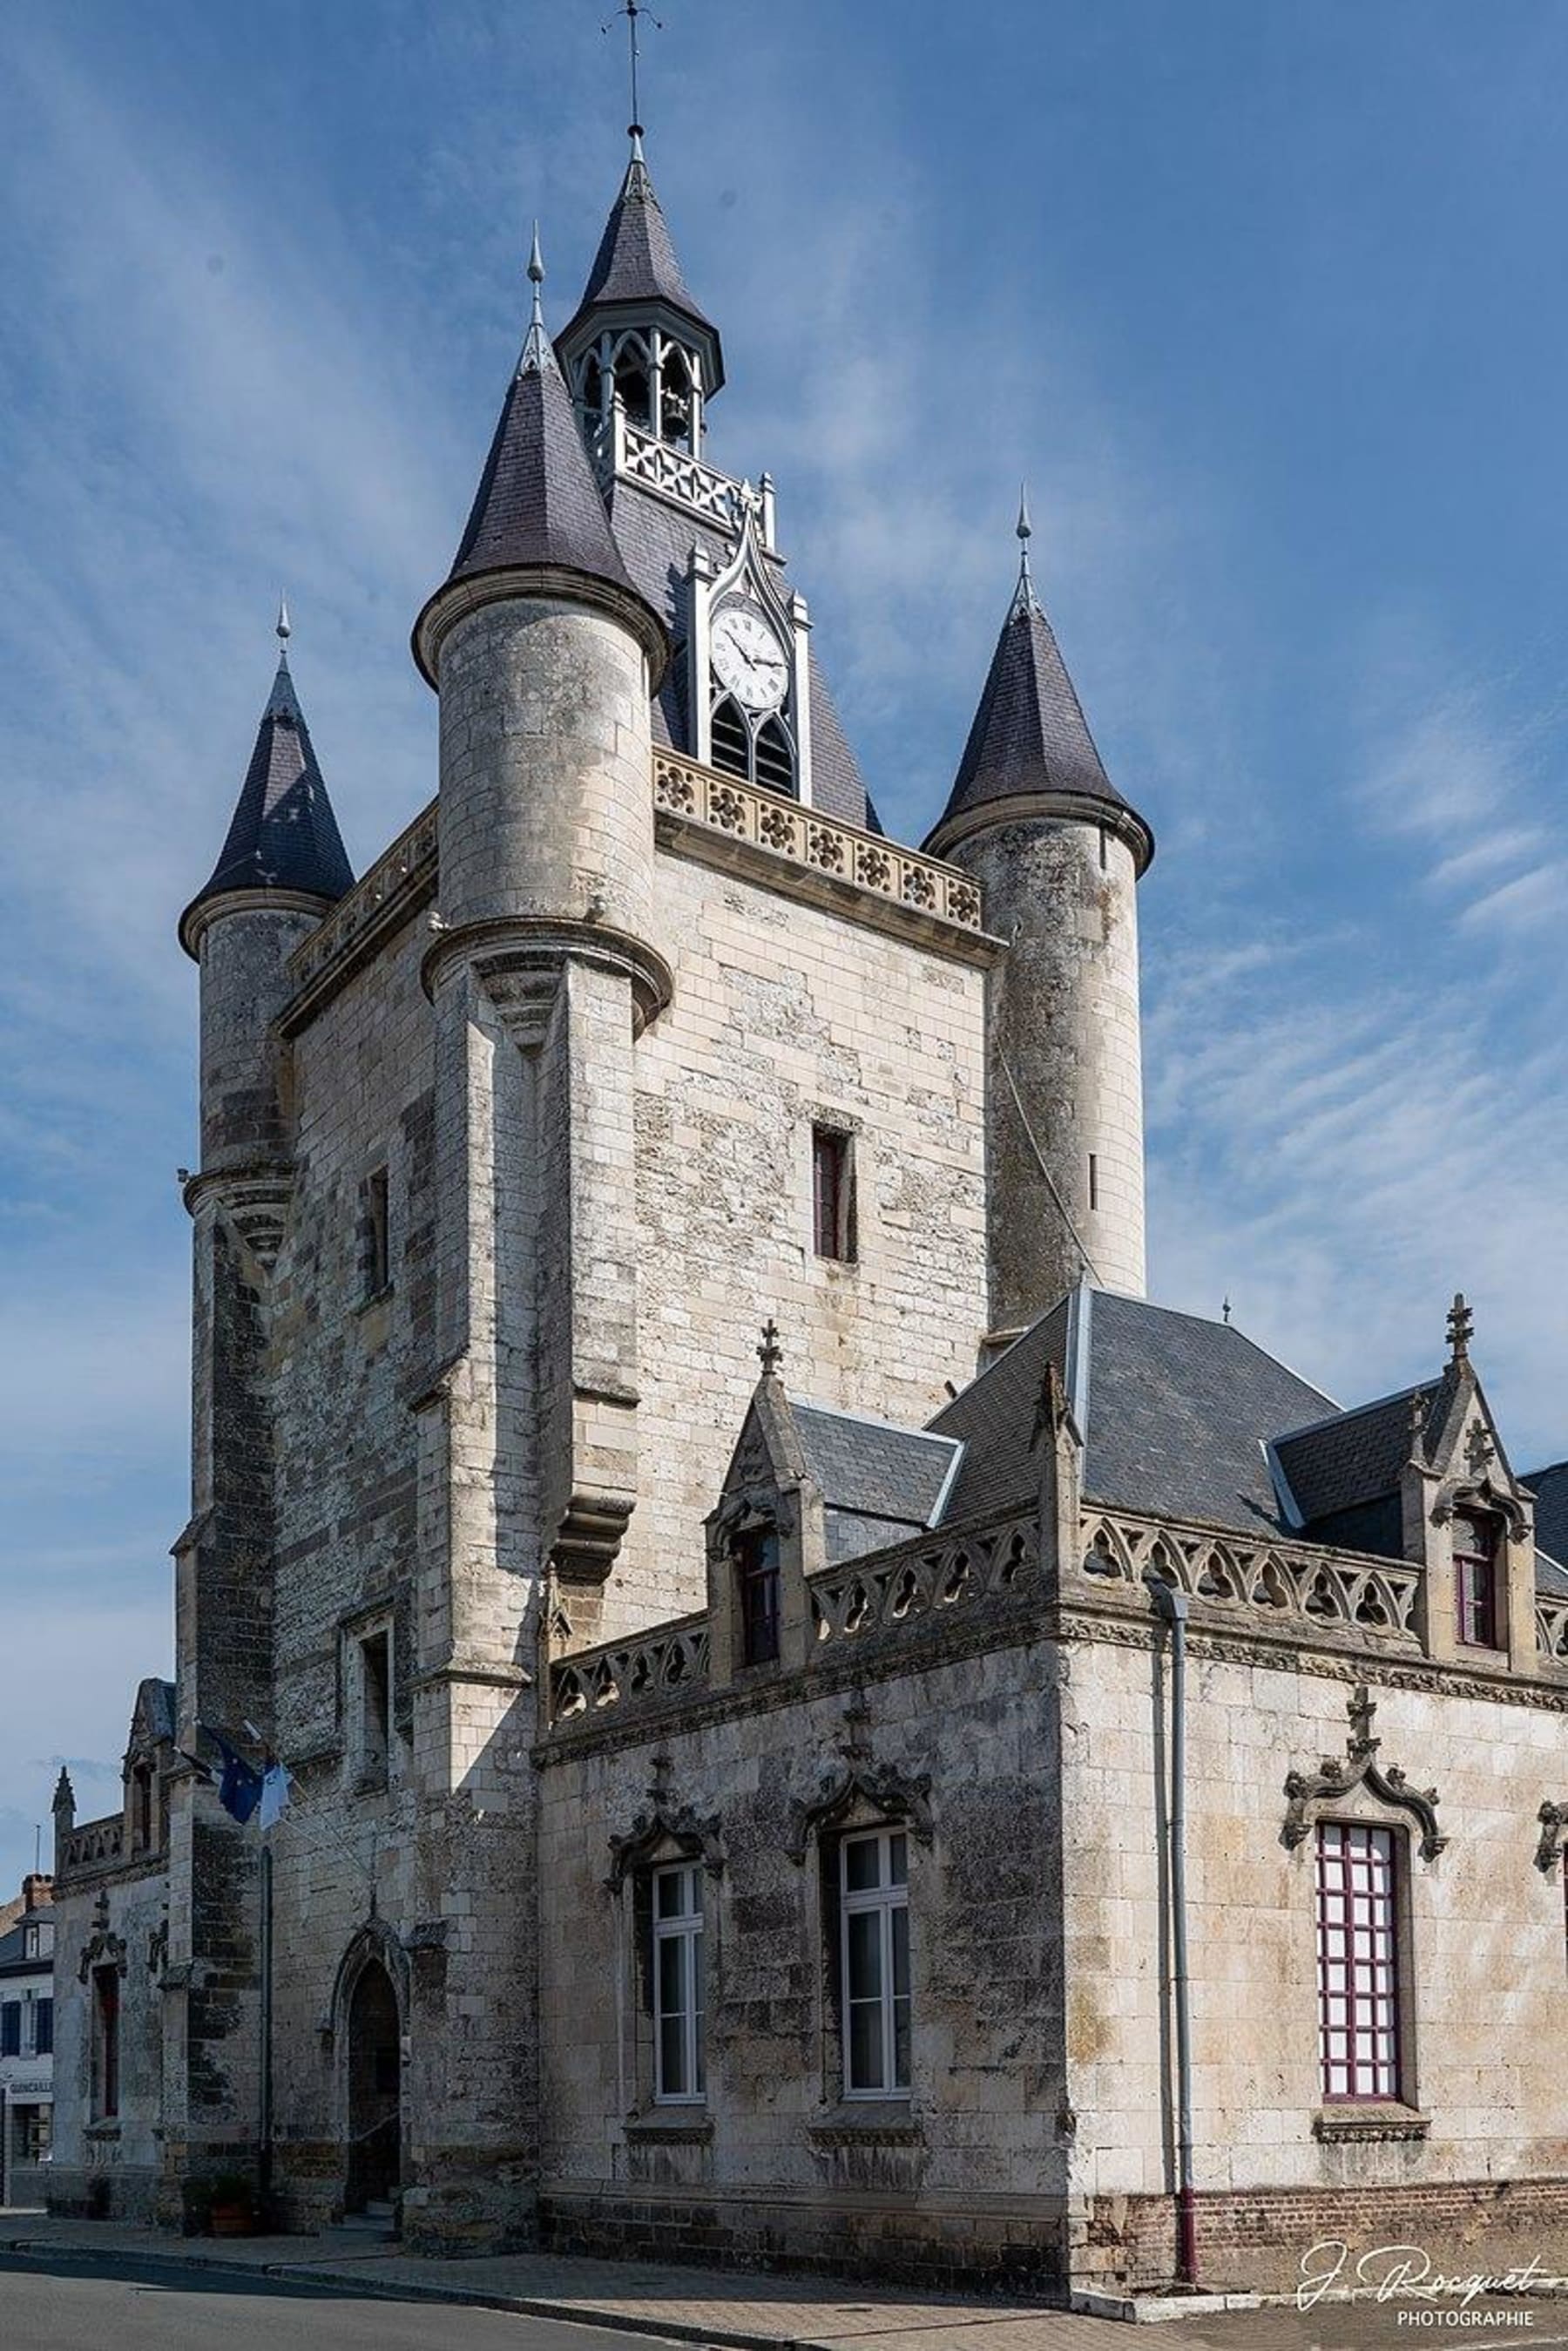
column 284, row 629
column 631, row 10
column 770, row 1354
column 1225, row 1310
column 1461, row 1328
column 1024, row 600
column 536, row 342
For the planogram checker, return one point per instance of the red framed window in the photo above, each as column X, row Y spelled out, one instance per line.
column 1475, row 1582
column 1357, row 1962
column 757, row 1567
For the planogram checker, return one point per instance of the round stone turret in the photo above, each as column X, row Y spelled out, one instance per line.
column 1058, row 854
column 545, row 656
column 282, row 868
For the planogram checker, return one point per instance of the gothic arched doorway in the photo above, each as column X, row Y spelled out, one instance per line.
column 375, row 2089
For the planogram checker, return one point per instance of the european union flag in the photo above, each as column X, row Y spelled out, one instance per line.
column 240, row 1787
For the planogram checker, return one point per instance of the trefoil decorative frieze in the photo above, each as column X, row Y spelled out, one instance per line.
column 1326, row 1591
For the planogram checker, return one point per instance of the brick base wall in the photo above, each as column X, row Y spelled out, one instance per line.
column 1253, row 2239
column 1019, row 2249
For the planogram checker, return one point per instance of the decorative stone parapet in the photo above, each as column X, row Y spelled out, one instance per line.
column 867, row 1596
column 1317, row 1590
column 724, row 821
column 664, row 1663
column 96, row 1844
column 1551, row 1631
column 402, row 879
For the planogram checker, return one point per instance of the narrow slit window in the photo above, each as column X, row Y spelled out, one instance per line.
column 1357, row 1962
column 1104, row 850
column 377, row 1235
column 375, row 1707
column 1093, row 1180
column 833, row 1193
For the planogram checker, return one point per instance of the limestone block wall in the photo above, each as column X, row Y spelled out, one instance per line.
column 782, row 1016
column 108, row 2165
column 1064, row 1021
column 964, row 2177
column 245, row 984
column 545, row 800
column 1483, row 1946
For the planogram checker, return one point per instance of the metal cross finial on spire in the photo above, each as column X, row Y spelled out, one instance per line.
column 631, row 10
column 770, row 1354
column 536, row 342
column 1461, row 1328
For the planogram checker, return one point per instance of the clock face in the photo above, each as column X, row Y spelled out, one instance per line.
column 748, row 659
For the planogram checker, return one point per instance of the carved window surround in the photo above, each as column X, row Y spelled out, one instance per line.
column 664, row 1832
column 1313, row 1795
column 861, row 1792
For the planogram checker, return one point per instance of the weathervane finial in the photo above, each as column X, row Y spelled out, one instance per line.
column 631, row 10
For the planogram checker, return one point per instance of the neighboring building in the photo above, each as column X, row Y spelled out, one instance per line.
column 111, row 1972
column 731, row 1815
column 27, row 2041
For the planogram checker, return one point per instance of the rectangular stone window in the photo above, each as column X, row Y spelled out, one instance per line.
column 377, row 1234
column 679, row 1992
column 833, row 1193
column 1475, row 1583
column 873, row 1958
column 105, row 2044
column 10, row 2028
column 757, row 1576
column 1358, row 1962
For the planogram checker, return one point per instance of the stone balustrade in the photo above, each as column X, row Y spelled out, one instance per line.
column 1552, row 1630
column 826, row 848
column 666, row 1662
column 868, row 1596
column 1319, row 1589
column 624, row 448
column 407, row 869
column 96, row 1844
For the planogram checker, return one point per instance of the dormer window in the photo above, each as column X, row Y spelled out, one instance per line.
column 1475, row 1580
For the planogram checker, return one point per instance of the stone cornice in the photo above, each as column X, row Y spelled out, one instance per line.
column 538, row 583
column 1064, row 808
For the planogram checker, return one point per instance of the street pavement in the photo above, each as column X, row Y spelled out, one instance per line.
column 86, row 2286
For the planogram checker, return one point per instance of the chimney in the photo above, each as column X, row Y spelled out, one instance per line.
column 37, row 1891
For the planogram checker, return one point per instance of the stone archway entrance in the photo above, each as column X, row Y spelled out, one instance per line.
column 375, row 2089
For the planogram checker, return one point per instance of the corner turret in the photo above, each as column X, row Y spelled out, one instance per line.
column 1058, row 852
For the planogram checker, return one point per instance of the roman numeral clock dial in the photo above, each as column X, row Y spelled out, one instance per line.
column 748, row 660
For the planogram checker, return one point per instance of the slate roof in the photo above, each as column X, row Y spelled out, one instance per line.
column 1550, row 1487
column 537, row 502
column 283, row 834
column 656, row 540
column 1173, row 1410
column 635, row 263
column 1029, row 735
column 879, row 1483
column 1358, row 1456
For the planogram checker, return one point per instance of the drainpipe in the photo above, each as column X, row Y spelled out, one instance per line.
column 264, row 2152
column 1172, row 1607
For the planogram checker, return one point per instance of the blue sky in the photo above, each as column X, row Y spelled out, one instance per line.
column 1267, row 302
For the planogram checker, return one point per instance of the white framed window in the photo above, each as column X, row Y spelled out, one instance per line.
column 874, row 1933
column 677, row 1985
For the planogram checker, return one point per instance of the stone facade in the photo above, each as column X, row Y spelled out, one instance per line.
column 733, row 1816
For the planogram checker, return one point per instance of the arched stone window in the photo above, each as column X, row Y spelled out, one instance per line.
column 677, row 409
column 634, row 382
column 732, row 739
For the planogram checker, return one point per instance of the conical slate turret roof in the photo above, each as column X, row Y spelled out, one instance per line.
column 283, row 834
column 636, row 267
column 1030, row 737
column 537, row 505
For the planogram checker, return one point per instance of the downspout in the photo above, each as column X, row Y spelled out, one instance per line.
column 1172, row 1607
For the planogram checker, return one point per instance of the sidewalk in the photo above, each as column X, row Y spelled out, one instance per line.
column 744, row 2310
